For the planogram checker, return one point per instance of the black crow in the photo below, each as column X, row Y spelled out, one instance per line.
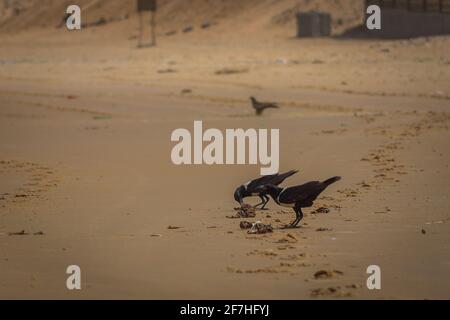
column 249, row 189
column 261, row 106
column 297, row 197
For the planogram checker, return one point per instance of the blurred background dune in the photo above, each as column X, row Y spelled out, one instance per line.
column 19, row 15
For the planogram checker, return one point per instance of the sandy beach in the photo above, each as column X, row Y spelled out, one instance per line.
column 86, row 176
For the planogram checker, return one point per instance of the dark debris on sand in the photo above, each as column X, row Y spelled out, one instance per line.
column 321, row 210
column 260, row 228
column 20, row 233
column 245, row 225
column 24, row 233
column 325, row 274
column 256, row 228
column 246, row 211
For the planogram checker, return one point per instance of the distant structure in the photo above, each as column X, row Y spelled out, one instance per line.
column 412, row 18
column 313, row 24
column 441, row 6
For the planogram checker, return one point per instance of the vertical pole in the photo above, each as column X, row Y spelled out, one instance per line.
column 153, row 23
column 141, row 28
column 441, row 6
column 424, row 5
column 408, row 5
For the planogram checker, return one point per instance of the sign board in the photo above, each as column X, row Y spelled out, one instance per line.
column 146, row 5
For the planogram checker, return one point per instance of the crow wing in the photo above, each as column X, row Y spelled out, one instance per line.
column 279, row 178
column 307, row 193
column 260, row 182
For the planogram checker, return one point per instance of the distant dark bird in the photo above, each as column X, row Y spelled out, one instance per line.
column 261, row 106
column 249, row 189
column 297, row 197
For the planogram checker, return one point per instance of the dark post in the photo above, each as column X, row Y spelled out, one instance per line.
column 153, row 23
column 424, row 5
column 441, row 5
column 142, row 6
column 141, row 28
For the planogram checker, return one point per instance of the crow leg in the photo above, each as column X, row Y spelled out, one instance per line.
column 263, row 202
column 298, row 217
column 266, row 200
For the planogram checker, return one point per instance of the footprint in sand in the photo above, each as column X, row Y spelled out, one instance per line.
column 23, row 181
column 335, row 291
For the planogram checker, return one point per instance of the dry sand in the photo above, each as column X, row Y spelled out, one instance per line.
column 85, row 123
